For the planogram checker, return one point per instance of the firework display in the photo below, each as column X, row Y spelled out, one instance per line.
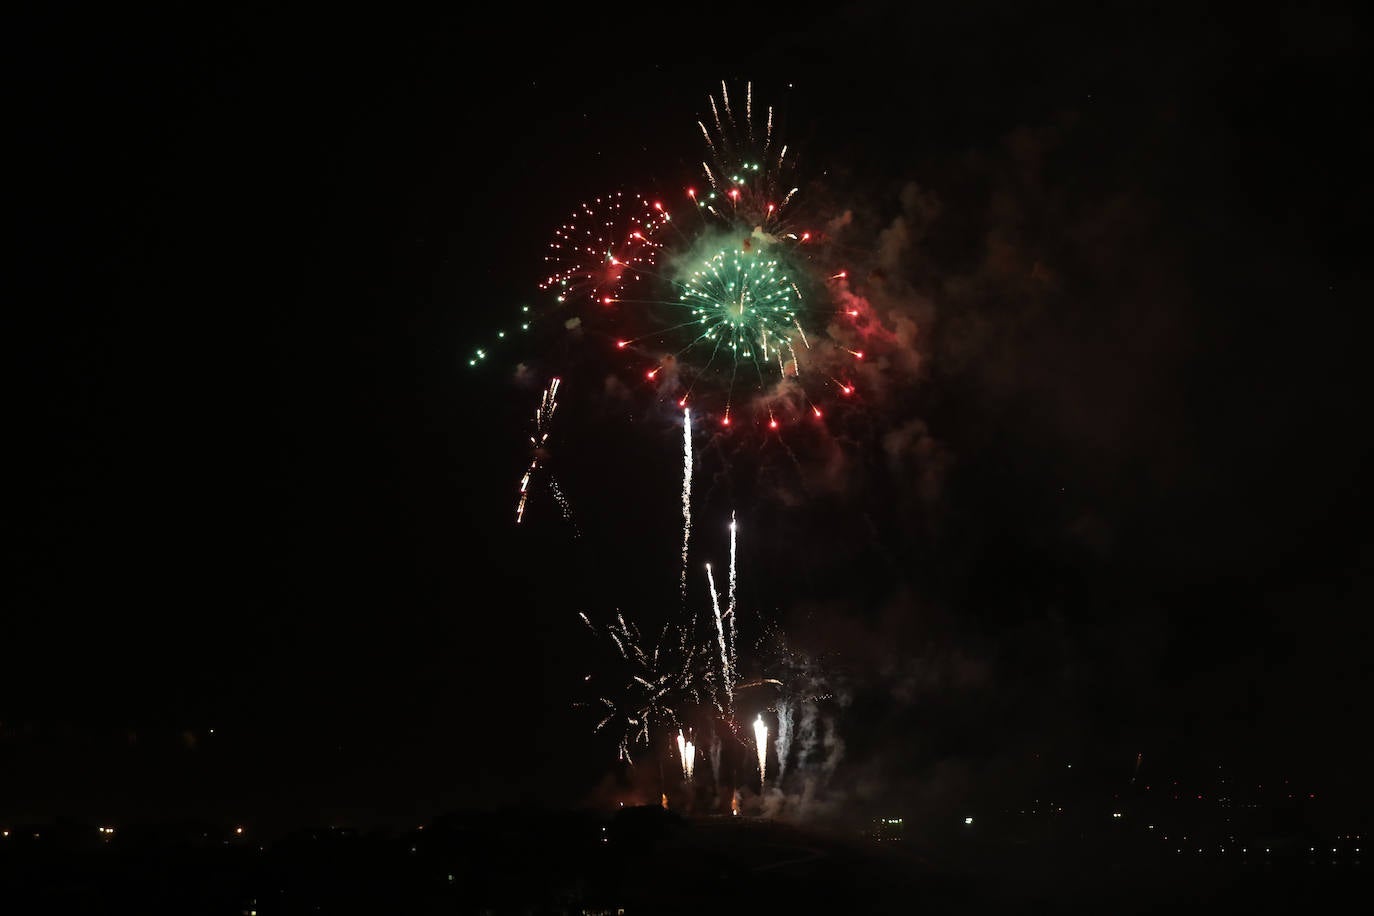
column 708, row 310
column 736, row 298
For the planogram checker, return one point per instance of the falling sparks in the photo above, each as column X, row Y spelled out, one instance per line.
column 542, row 419
column 564, row 506
column 657, row 680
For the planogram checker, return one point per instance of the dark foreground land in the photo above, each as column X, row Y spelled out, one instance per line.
column 646, row 860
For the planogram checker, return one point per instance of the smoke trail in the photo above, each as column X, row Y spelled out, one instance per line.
column 720, row 638
column 783, row 743
column 715, row 756
column 686, row 492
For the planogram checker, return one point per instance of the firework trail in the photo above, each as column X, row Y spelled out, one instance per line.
column 720, row 639
column 761, row 740
column 730, row 607
column 686, row 492
column 543, row 417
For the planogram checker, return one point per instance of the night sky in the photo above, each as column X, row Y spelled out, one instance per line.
column 1118, row 504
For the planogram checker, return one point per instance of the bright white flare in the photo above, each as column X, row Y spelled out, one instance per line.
column 761, row 739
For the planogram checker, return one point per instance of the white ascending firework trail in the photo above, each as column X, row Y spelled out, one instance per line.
column 687, row 752
column 686, row 492
column 730, row 606
column 720, row 639
column 761, row 739
column 542, row 418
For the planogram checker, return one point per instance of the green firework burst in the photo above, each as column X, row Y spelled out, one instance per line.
column 744, row 305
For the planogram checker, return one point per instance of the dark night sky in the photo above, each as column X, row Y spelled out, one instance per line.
column 260, row 491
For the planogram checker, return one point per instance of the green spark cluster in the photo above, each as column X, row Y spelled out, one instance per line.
column 744, row 306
